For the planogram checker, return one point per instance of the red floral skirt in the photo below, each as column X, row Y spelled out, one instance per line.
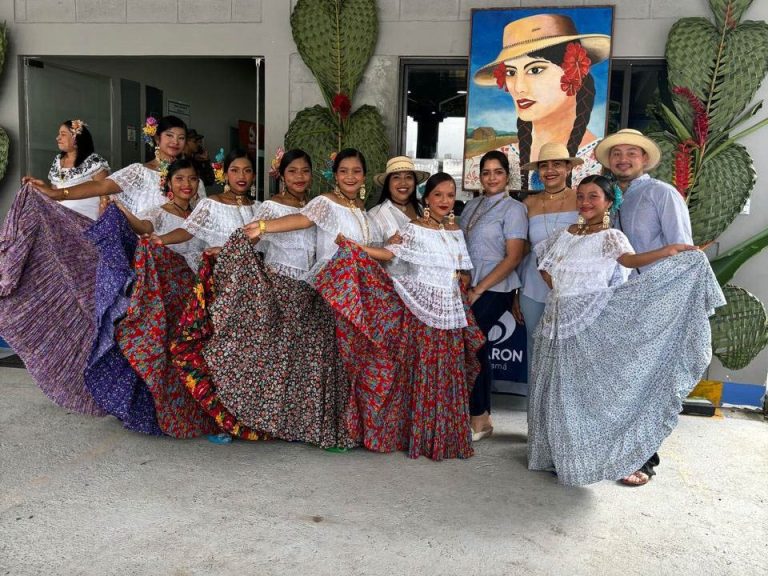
column 164, row 283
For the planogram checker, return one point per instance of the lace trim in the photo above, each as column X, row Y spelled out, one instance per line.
column 436, row 306
column 63, row 177
column 433, row 248
column 214, row 222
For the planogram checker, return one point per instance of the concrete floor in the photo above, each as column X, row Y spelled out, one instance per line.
column 81, row 495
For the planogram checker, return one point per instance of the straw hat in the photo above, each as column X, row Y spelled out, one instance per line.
column 632, row 138
column 553, row 151
column 400, row 164
column 531, row 34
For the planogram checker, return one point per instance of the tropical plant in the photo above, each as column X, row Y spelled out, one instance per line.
column 715, row 68
column 336, row 39
column 4, row 140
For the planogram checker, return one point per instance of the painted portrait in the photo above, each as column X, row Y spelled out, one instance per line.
column 537, row 75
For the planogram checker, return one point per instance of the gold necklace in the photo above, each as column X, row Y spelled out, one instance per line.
column 238, row 198
column 299, row 199
column 583, row 230
column 553, row 194
column 361, row 220
column 477, row 215
column 558, row 211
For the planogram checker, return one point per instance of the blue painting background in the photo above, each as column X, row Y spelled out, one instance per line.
column 490, row 106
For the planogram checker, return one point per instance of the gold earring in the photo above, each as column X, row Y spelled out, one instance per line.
column 282, row 188
column 253, row 189
column 606, row 220
column 451, row 217
column 581, row 222
column 336, row 190
column 426, row 212
column 362, row 192
column 226, row 187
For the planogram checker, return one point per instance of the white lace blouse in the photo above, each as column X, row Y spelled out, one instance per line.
column 140, row 188
column 291, row 254
column 214, row 222
column 584, row 271
column 164, row 222
column 389, row 218
column 427, row 278
column 64, row 177
column 332, row 219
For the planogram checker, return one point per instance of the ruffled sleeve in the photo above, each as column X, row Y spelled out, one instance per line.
column 543, row 248
column 268, row 211
column 615, row 244
column 154, row 215
column 321, row 211
column 440, row 249
column 200, row 222
column 515, row 224
column 128, row 178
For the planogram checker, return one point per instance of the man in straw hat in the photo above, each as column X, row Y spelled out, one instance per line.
column 652, row 215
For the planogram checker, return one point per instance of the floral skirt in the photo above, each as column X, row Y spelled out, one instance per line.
column 602, row 400
column 194, row 332
column 273, row 354
column 47, row 279
column 109, row 376
column 437, row 380
column 164, row 283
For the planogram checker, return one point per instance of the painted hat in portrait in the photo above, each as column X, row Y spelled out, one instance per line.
column 400, row 164
column 553, row 151
column 629, row 137
column 533, row 33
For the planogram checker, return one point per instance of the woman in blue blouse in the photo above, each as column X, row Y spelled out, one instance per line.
column 496, row 229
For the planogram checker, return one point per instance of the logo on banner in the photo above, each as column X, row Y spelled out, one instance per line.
column 503, row 329
column 506, row 349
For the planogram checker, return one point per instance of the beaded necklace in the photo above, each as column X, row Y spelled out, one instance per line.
column 359, row 217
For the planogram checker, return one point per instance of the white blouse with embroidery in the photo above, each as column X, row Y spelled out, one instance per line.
column 164, row 222
column 291, row 254
column 584, row 271
column 389, row 218
column 66, row 177
column 214, row 222
column 332, row 219
column 140, row 188
column 427, row 278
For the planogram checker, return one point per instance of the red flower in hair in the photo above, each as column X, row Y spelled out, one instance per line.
column 500, row 73
column 576, row 65
column 341, row 105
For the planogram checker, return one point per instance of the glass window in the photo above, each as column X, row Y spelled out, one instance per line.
column 637, row 85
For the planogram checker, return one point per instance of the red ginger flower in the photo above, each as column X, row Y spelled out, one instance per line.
column 700, row 118
column 500, row 73
column 576, row 63
column 341, row 105
column 683, row 169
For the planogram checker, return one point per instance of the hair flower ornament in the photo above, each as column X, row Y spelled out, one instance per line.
column 149, row 130
column 274, row 170
column 618, row 199
column 576, row 63
column 500, row 74
column 328, row 172
column 77, row 127
column 218, row 167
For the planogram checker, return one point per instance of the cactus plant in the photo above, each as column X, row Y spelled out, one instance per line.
column 715, row 69
column 336, row 39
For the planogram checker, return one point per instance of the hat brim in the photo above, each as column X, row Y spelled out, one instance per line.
column 421, row 176
column 603, row 150
column 598, row 47
column 534, row 165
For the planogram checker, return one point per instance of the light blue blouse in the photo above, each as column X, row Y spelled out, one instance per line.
column 493, row 221
column 541, row 227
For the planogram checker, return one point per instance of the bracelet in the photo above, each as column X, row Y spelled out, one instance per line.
column 65, row 193
column 262, row 227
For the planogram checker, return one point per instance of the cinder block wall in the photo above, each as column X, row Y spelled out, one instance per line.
column 261, row 28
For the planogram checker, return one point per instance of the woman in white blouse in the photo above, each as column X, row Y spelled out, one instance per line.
column 398, row 204
column 77, row 163
column 438, row 360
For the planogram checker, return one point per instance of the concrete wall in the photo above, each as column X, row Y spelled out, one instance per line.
column 261, row 27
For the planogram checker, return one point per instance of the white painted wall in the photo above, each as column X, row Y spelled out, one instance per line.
column 261, row 27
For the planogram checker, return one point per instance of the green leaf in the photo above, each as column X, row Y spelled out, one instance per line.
column 721, row 7
column 739, row 329
column 3, row 45
column 366, row 132
column 720, row 192
column 665, row 170
column 335, row 38
column 315, row 131
column 675, row 123
column 726, row 264
column 4, row 146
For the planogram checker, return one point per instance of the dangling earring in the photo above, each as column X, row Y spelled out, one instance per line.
column 581, row 222
column 451, row 217
column 336, row 190
column 282, row 188
column 253, row 189
column 606, row 220
column 170, row 195
column 226, row 188
column 362, row 192
column 426, row 213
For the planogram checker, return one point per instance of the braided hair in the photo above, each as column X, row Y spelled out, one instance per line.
column 585, row 99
